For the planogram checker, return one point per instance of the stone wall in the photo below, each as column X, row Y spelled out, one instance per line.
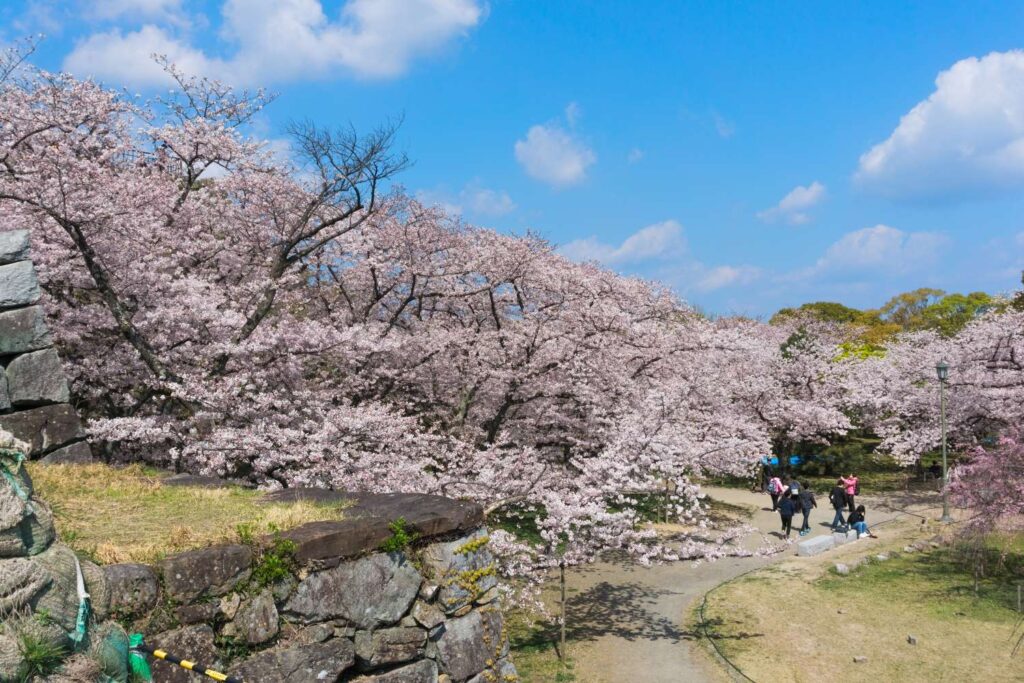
column 33, row 389
column 346, row 611
column 320, row 602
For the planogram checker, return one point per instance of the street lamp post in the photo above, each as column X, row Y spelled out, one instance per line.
column 942, row 370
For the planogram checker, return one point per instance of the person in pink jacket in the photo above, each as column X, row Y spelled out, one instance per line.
column 851, row 489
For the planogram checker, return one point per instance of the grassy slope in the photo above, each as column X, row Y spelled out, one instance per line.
column 128, row 515
column 784, row 620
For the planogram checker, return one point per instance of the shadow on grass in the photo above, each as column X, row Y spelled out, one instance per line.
column 715, row 625
column 625, row 611
column 942, row 575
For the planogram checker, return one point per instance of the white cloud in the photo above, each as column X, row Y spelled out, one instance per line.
column 793, row 207
column 661, row 251
column 879, row 249
column 473, row 199
column 487, row 202
column 127, row 57
column 573, row 112
column 727, row 276
column 107, row 10
column 280, row 40
column 966, row 139
column 554, row 156
column 635, row 155
column 658, row 241
column 723, row 127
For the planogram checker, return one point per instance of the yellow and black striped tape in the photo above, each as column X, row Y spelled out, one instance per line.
column 191, row 666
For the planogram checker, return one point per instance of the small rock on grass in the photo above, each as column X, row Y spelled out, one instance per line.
column 860, row 659
column 882, row 557
column 841, row 611
column 912, row 639
column 842, row 569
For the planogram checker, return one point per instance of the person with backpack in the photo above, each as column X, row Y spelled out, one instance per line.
column 857, row 521
column 807, row 502
column 775, row 490
column 787, row 508
column 852, row 489
column 838, row 499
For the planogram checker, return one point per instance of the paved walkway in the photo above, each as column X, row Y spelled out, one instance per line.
column 634, row 619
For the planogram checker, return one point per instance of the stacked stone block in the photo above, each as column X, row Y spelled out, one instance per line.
column 33, row 389
column 429, row 614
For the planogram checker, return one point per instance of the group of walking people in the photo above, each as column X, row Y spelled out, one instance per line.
column 790, row 497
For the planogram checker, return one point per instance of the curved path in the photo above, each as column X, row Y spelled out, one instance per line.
column 632, row 621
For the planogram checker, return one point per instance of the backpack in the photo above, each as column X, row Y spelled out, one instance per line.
column 772, row 486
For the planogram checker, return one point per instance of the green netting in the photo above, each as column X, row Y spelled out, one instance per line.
column 120, row 658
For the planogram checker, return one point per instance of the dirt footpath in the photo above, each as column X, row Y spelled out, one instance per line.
column 633, row 622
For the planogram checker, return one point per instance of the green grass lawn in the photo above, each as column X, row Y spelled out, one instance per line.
column 803, row 621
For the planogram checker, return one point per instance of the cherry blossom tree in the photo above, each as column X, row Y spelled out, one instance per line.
column 292, row 321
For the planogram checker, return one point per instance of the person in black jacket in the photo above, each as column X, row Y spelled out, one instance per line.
column 787, row 508
column 838, row 499
column 807, row 502
column 857, row 521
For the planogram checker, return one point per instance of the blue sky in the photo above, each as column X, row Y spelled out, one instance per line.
column 751, row 156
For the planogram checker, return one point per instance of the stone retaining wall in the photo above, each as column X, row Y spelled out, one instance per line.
column 33, row 389
column 347, row 612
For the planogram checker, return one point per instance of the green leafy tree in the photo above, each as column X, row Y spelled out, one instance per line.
column 951, row 313
column 906, row 308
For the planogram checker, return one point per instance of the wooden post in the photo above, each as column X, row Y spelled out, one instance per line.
column 561, row 578
column 667, row 496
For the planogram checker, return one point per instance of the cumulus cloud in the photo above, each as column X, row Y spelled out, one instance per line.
column 879, row 249
column 661, row 251
column 658, row 241
column 281, row 40
column 793, row 207
column 573, row 112
column 551, row 154
column 726, row 276
column 723, row 126
column 966, row 139
column 473, row 199
column 106, row 10
column 127, row 57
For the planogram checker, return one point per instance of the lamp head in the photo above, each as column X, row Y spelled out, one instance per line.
column 942, row 370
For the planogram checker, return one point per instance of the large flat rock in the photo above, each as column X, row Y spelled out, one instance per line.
column 46, row 428
column 77, row 453
column 815, row 546
column 13, row 246
column 469, row 644
column 366, row 521
column 37, row 378
column 207, row 571
column 370, row 592
column 22, row 330
column 298, row 664
column 194, row 643
column 18, row 285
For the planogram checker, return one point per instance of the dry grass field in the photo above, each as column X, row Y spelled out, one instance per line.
column 128, row 515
